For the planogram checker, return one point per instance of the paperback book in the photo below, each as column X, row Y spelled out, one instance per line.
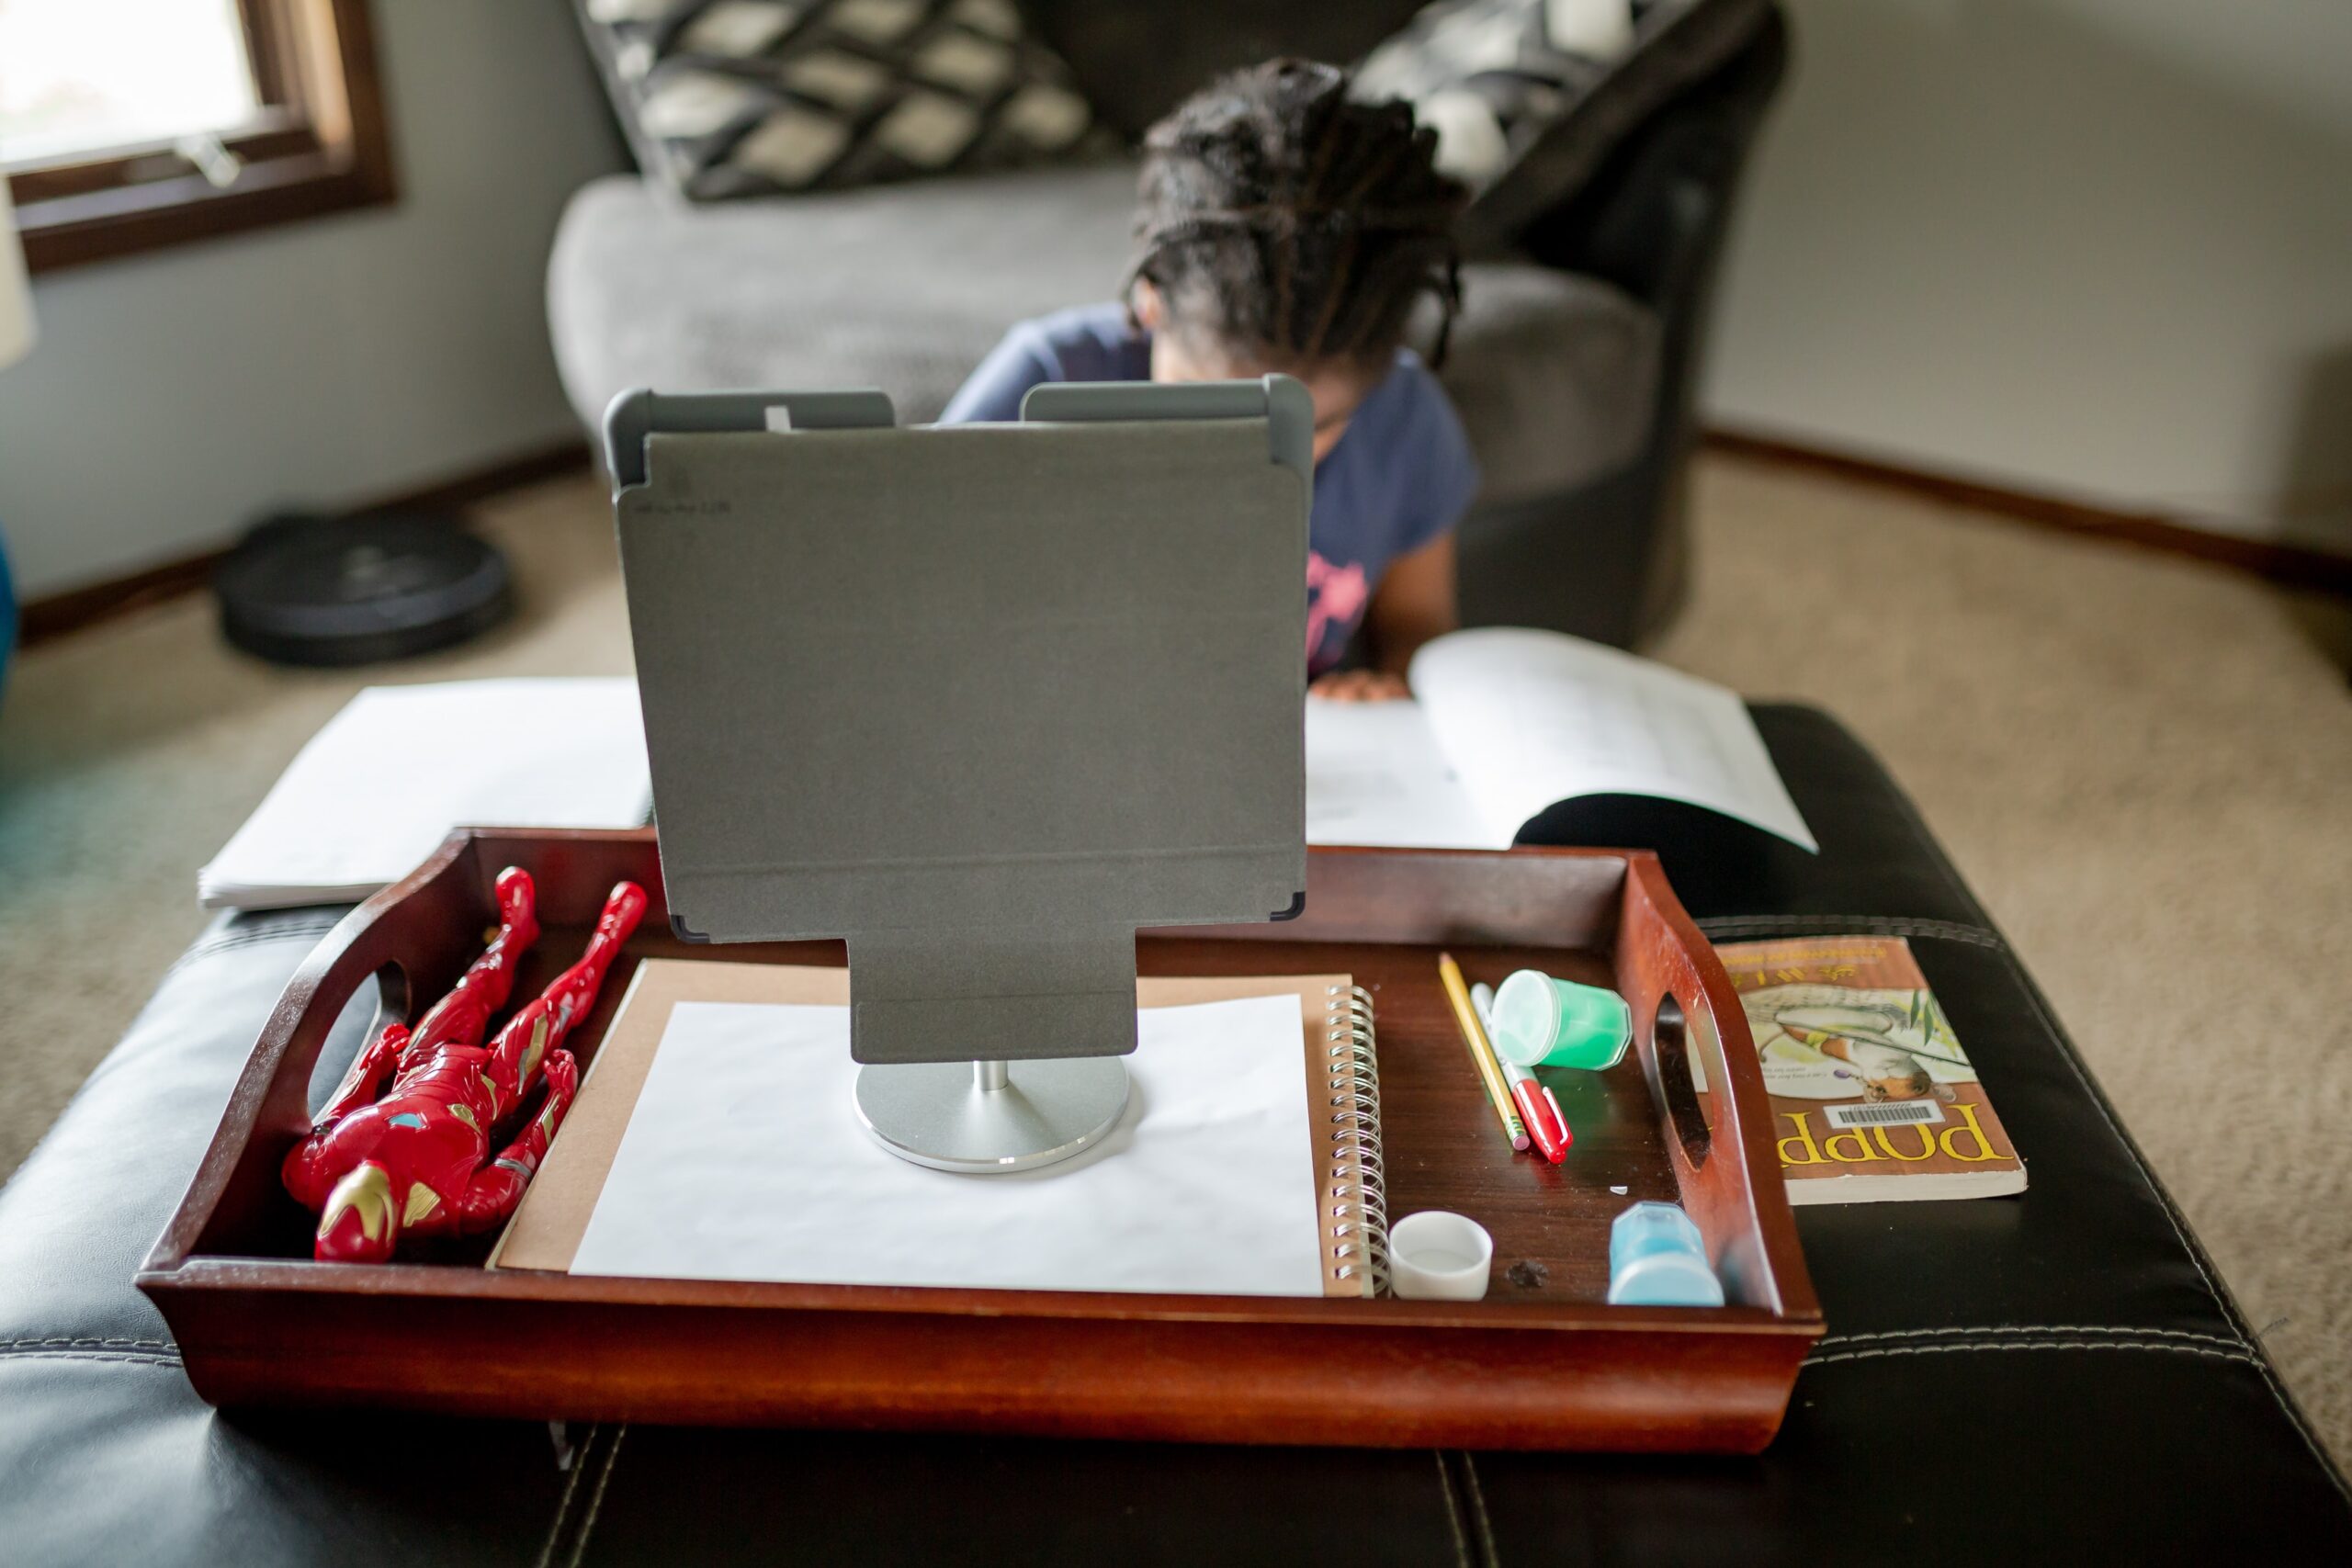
column 1873, row 1098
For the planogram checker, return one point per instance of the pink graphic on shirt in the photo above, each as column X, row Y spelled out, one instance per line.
column 1335, row 597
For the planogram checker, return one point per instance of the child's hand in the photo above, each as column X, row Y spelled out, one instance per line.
column 1361, row 686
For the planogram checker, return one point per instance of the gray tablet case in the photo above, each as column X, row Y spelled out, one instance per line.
column 981, row 700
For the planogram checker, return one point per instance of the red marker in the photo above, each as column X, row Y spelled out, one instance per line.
column 1546, row 1125
column 1540, row 1111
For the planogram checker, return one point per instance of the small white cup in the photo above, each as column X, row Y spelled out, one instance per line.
column 1438, row 1256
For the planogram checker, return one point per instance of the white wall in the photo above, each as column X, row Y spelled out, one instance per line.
column 2096, row 248
column 174, row 396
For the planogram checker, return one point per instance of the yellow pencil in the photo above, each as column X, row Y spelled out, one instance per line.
column 1491, row 1071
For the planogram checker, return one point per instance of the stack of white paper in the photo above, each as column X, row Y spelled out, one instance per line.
column 377, row 790
column 743, row 1160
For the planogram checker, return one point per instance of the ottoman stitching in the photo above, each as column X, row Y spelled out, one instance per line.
column 270, row 926
column 1875, row 925
column 231, row 942
column 556, row 1548
column 563, row 1500
column 1452, row 1510
column 261, row 936
column 70, row 1343
column 1478, row 1510
column 2247, row 1357
column 128, row 1357
column 2006, row 1328
column 597, row 1498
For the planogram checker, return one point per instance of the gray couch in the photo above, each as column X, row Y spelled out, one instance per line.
column 905, row 286
column 1572, row 365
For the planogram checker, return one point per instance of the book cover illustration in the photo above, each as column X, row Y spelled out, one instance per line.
column 1874, row 1097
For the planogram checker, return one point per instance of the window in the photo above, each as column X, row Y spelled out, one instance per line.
column 129, row 124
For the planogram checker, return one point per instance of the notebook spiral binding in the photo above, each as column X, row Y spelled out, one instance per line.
column 1357, row 1190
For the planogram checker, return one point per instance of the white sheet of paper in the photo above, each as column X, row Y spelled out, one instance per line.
column 378, row 789
column 1530, row 717
column 745, row 1159
column 1374, row 776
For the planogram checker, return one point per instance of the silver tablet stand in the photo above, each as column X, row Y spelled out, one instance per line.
column 979, row 701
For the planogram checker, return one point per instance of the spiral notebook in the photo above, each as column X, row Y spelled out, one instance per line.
column 715, row 1138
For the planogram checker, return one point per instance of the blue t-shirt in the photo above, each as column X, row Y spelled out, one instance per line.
column 1401, row 474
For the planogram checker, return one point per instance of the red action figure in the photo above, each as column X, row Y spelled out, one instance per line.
column 416, row 1161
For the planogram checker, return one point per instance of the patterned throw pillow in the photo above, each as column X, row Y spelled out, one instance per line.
column 748, row 98
column 1528, row 97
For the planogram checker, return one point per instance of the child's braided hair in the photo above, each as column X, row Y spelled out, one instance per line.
column 1281, row 217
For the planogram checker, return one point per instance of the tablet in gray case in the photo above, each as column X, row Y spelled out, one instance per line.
column 980, row 700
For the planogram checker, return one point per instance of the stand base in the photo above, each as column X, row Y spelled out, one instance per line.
column 991, row 1118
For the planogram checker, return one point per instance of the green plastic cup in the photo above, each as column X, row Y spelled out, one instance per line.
column 1541, row 1022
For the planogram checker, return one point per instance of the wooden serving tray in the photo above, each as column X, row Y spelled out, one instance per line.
column 1542, row 1362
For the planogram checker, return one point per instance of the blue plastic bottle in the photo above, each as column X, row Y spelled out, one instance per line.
column 1657, row 1258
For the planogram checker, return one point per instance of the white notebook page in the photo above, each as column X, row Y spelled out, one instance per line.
column 377, row 790
column 1374, row 776
column 745, row 1159
column 1530, row 717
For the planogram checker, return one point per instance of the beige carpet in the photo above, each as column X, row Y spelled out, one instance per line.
column 2143, row 765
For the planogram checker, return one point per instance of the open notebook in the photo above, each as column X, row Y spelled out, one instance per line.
column 716, row 1139
column 1507, row 721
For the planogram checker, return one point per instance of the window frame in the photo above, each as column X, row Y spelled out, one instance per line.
column 318, row 144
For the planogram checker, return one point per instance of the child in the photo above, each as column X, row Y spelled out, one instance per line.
column 1285, row 227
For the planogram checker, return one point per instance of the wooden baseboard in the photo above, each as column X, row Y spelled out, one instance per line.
column 2291, row 566
column 2295, row 566
column 54, row 616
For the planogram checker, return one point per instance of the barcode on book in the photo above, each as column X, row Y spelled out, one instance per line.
column 1886, row 1113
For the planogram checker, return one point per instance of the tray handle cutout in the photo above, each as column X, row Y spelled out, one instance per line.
column 1676, row 1088
column 439, row 934
column 387, row 1003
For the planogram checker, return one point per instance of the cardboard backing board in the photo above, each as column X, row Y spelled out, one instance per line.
column 545, row 1230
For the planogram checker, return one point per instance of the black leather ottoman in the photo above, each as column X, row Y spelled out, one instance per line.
column 2058, row 1378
